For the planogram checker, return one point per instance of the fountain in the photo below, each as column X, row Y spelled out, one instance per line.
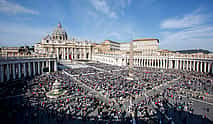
column 56, row 90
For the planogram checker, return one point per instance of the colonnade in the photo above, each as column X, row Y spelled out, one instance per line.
column 22, row 68
column 204, row 65
column 199, row 65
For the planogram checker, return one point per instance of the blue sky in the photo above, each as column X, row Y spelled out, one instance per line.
column 178, row 24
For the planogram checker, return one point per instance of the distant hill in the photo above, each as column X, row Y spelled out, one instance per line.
column 194, row 51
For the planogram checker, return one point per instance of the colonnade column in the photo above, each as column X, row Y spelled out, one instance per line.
column 42, row 67
column 39, row 68
column 187, row 65
column 201, row 66
column 25, row 74
column 19, row 70
column 14, row 72
column 29, row 69
column 142, row 62
column 166, row 63
column 2, row 73
column 163, row 63
column 190, row 65
column 8, row 72
column 49, row 66
column 197, row 66
column 177, row 64
column 194, row 67
column 183, row 65
column 34, row 68
column 209, row 67
column 205, row 64
column 55, row 66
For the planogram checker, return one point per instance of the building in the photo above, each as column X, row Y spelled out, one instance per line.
column 146, row 53
column 15, row 51
column 57, row 44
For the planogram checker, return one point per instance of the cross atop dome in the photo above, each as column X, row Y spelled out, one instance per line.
column 59, row 25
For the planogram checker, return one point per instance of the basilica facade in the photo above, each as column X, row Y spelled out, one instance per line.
column 57, row 44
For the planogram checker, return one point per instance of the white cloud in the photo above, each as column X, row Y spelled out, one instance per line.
column 192, row 31
column 190, row 38
column 111, row 8
column 13, row 8
column 189, row 20
column 102, row 6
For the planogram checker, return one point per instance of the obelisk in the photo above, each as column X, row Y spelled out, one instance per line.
column 131, row 56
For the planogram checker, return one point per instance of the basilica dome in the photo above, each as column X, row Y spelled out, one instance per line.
column 59, row 33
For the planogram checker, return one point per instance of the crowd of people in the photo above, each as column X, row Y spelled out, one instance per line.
column 127, row 99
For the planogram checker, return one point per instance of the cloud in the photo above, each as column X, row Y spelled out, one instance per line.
column 188, row 20
column 102, row 6
column 111, row 8
column 13, row 8
column 191, row 31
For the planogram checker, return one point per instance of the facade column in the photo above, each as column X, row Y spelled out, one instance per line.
column 197, row 66
column 55, row 66
column 19, row 70
column 2, row 73
column 66, row 53
column 194, row 66
column 166, row 64
column 187, row 65
column 63, row 53
column 42, row 67
column 72, row 53
column 176, row 67
column 25, row 71
column 39, row 68
column 171, row 64
column 205, row 64
column 34, row 69
column 201, row 66
column 142, row 62
column 29, row 69
column 190, row 65
column 57, row 53
column 183, row 64
column 49, row 65
column 14, row 71
column 209, row 67
column 157, row 61
column 8, row 72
